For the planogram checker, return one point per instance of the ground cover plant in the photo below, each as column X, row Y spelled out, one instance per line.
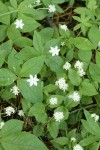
column 49, row 74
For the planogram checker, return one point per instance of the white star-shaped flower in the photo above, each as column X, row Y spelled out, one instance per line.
column 9, row 110
column 33, row 80
column 81, row 72
column 54, row 50
column 37, row 2
column 74, row 96
column 99, row 44
column 78, row 65
column 62, row 43
column 67, row 66
column 78, row 147
column 1, row 124
column 21, row 113
column 58, row 116
column 61, row 83
column 51, row 8
column 30, row 6
column 64, row 27
column 53, row 101
column 73, row 139
column 15, row 90
column 95, row 116
column 19, row 24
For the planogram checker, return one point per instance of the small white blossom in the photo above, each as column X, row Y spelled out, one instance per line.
column 54, row 50
column 78, row 147
column 73, row 139
column 99, row 44
column 15, row 90
column 37, row 2
column 53, row 101
column 95, row 116
column 61, row 83
column 9, row 111
column 78, row 65
column 19, row 24
column 51, row 8
column 1, row 124
column 66, row 66
column 21, row 113
column 33, row 80
column 81, row 72
column 64, row 27
column 30, row 6
column 58, row 116
column 75, row 96
column 62, row 43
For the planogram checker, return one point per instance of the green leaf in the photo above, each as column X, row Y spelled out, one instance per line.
column 13, row 33
column 50, row 88
column 6, row 94
column 14, row 63
column 2, row 58
column 11, row 126
column 94, row 71
column 23, row 42
column 85, row 56
column 82, row 43
column 33, row 94
column 70, row 55
column 14, row 3
column 89, row 140
column 26, row 105
column 29, row 23
column 87, row 89
column 57, row 1
column 3, row 10
column 75, row 79
column 70, row 103
column 5, row 48
column 25, row 3
column 37, row 43
column 53, row 128
column 34, row 111
column 37, row 130
column 3, row 29
column 21, row 141
column 39, row 113
column 92, row 124
column 46, row 31
column 87, row 127
column 94, row 146
column 41, row 118
column 45, row 2
column 55, row 63
column 6, row 77
column 98, row 58
column 60, row 140
column 26, row 53
column 94, row 35
column 32, row 66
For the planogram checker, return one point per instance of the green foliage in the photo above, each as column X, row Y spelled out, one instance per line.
column 11, row 137
column 49, row 74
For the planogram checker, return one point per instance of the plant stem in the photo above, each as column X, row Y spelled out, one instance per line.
column 86, row 107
